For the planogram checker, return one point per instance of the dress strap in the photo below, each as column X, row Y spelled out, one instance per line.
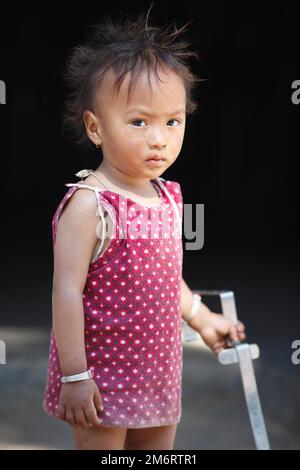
column 164, row 188
column 83, row 173
column 100, row 209
column 86, row 186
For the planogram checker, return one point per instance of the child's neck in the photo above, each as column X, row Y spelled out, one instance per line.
column 114, row 177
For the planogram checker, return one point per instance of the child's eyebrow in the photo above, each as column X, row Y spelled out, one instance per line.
column 148, row 113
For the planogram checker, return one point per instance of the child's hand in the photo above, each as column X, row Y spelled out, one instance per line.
column 215, row 329
column 79, row 402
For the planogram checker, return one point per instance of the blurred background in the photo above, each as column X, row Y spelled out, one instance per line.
column 238, row 159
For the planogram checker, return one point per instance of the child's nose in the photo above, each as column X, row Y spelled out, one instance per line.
column 158, row 138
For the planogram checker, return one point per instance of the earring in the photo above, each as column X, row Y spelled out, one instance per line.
column 98, row 146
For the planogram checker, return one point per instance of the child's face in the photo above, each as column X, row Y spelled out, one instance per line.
column 129, row 135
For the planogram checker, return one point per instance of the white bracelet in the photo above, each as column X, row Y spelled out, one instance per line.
column 194, row 308
column 74, row 378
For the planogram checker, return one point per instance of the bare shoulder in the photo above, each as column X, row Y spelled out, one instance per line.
column 81, row 205
column 75, row 239
column 78, row 221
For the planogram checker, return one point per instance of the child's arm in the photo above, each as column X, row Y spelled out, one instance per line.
column 76, row 238
column 213, row 327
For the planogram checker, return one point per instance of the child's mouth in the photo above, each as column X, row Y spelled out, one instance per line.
column 155, row 162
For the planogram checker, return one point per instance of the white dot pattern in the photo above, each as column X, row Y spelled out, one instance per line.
column 133, row 324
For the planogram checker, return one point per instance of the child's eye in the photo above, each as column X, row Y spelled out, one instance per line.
column 142, row 120
column 175, row 120
column 138, row 120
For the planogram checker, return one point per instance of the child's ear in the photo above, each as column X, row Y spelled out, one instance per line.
column 92, row 127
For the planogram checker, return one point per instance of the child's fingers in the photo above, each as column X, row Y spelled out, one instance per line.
column 91, row 415
column 218, row 346
column 80, row 418
column 242, row 336
column 218, row 349
column 240, row 327
column 70, row 417
column 98, row 400
column 61, row 412
column 233, row 333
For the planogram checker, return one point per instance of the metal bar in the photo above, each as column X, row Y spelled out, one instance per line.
column 252, row 397
column 243, row 353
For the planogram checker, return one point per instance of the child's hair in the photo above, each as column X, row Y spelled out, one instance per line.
column 129, row 45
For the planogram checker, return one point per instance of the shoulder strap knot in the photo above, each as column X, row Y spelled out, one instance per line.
column 83, row 173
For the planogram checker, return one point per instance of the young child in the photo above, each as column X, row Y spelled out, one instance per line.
column 115, row 363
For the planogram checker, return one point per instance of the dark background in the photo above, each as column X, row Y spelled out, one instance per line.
column 238, row 158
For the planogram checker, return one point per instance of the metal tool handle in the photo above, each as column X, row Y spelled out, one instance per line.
column 243, row 353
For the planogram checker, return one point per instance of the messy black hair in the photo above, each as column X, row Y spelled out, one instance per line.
column 129, row 45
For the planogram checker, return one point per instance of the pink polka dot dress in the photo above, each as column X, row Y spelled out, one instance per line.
column 132, row 311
